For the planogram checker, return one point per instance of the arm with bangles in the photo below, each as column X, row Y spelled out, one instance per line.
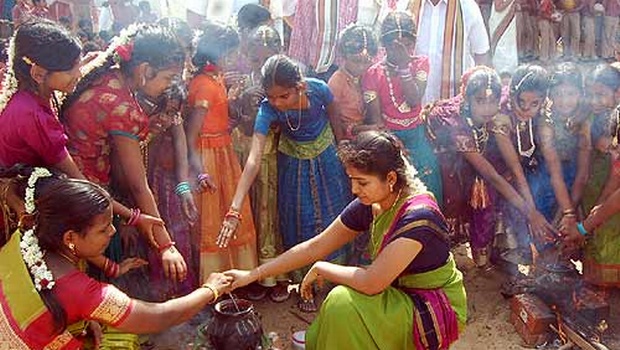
column 149, row 318
column 130, row 158
column 143, row 222
column 332, row 238
column 250, row 171
column 181, row 167
column 111, row 269
column 566, row 208
column 544, row 230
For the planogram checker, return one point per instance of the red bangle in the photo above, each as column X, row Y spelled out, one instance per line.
column 134, row 217
column 111, row 269
column 166, row 246
column 233, row 214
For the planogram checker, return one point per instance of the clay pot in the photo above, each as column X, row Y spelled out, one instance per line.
column 234, row 327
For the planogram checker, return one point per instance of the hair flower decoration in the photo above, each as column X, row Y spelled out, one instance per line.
column 125, row 51
column 29, row 245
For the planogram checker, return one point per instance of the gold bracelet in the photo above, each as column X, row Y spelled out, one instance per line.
column 258, row 272
column 213, row 290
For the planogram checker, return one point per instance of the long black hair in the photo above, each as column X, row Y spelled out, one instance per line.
column 61, row 204
column 282, row 71
column 356, row 39
column 216, row 42
column 396, row 25
column 45, row 44
column 153, row 44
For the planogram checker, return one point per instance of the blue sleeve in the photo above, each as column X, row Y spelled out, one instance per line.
column 322, row 90
column 265, row 117
column 357, row 216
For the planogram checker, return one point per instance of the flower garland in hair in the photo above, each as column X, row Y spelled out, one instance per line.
column 120, row 48
column 9, row 82
column 29, row 245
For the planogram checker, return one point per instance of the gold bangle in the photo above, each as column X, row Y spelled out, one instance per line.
column 213, row 290
column 258, row 272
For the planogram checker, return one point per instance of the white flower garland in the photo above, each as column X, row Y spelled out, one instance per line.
column 29, row 245
column 9, row 82
column 125, row 36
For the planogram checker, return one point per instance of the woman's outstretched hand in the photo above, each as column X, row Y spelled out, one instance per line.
column 241, row 278
column 227, row 232
column 221, row 282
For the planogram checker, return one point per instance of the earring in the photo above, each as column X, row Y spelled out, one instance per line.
column 72, row 249
column 391, row 188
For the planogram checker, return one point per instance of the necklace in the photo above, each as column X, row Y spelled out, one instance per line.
column 376, row 239
column 520, row 127
column 73, row 261
column 403, row 107
column 481, row 135
column 288, row 122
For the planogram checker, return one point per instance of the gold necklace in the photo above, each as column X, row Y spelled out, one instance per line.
column 288, row 122
column 528, row 152
column 481, row 135
column 374, row 240
column 73, row 261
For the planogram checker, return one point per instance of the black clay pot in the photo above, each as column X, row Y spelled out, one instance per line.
column 234, row 327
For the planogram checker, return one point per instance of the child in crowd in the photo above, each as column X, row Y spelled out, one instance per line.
column 210, row 142
column 602, row 259
column 312, row 185
column 358, row 47
column 393, row 92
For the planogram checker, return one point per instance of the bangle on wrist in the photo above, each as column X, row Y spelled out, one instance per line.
column 134, row 217
column 111, row 269
column 213, row 290
column 581, row 229
column 182, row 188
column 232, row 213
column 162, row 248
column 568, row 212
column 203, row 177
column 259, row 277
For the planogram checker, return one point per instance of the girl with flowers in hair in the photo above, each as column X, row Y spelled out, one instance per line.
column 44, row 63
column 103, row 120
column 393, row 91
column 208, row 136
column 412, row 284
column 46, row 301
column 460, row 128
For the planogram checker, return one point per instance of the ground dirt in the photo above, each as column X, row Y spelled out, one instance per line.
column 488, row 327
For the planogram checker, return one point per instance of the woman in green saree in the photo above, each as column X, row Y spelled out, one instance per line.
column 412, row 295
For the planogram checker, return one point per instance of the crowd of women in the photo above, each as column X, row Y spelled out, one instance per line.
column 215, row 161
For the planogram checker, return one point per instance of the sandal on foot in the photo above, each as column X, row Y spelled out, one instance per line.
column 279, row 293
column 307, row 306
